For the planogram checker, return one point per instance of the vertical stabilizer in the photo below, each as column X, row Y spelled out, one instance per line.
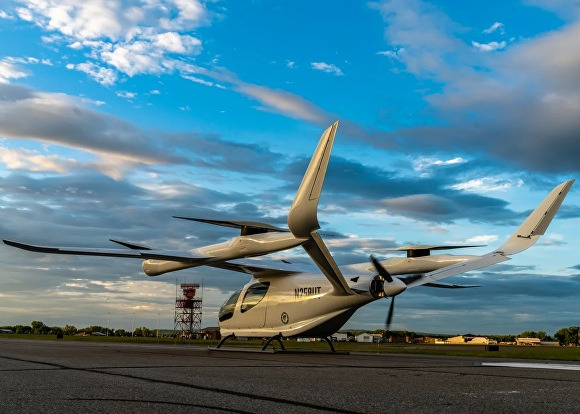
column 303, row 217
column 537, row 223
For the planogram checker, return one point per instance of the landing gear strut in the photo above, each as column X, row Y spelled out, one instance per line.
column 329, row 342
column 277, row 337
column 225, row 338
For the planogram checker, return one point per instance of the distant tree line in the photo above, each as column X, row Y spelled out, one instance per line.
column 39, row 328
column 565, row 336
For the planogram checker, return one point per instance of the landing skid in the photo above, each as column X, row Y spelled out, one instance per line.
column 273, row 350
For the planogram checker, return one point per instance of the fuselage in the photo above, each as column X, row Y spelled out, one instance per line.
column 306, row 305
column 301, row 305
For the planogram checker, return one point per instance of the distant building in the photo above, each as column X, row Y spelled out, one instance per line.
column 480, row 340
column 340, row 337
column 209, row 333
column 365, row 337
column 6, row 331
column 528, row 341
column 455, row 340
column 470, row 340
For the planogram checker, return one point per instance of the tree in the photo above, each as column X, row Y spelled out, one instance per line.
column 55, row 330
column 568, row 336
column 69, row 330
column 39, row 328
column 22, row 329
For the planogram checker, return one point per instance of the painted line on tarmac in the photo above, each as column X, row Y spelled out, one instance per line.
column 532, row 365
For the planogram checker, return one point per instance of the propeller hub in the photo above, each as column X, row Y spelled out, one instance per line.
column 394, row 288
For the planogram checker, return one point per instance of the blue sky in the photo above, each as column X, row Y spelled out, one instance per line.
column 455, row 121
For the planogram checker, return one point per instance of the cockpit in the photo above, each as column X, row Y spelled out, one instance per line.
column 254, row 294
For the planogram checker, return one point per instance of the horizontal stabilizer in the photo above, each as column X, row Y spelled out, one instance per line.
column 449, row 286
column 247, row 227
column 130, row 245
column 456, row 269
column 420, row 250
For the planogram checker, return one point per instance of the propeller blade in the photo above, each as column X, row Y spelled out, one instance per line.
column 390, row 315
column 381, row 270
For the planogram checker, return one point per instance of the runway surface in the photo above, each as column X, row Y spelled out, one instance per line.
column 90, row 377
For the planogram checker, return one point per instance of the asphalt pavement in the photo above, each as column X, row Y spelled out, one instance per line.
column 93, row 377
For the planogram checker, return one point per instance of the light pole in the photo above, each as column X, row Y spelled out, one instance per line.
column 133, row 326
column 108, row 322
column 158, row 316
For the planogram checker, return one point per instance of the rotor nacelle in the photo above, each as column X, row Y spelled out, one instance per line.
column 381, row 288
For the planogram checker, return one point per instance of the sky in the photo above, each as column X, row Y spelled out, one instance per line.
column 456, row 120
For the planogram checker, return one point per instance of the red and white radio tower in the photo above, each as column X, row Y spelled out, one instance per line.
column 187, row 311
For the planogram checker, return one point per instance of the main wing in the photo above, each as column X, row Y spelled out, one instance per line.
column 523, row 238
column 130, row 252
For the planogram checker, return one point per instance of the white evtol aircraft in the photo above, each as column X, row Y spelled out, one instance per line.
column 287, row 300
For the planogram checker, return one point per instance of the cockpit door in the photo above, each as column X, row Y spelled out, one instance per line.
column 254, row 304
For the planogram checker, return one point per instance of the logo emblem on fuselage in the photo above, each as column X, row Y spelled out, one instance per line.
column 284, row 318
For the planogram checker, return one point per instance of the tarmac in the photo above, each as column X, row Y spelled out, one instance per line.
column 93, row 377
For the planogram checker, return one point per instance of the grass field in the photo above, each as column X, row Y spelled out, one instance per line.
column 506, row 351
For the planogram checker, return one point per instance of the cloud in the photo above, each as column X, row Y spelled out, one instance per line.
column 58, row 119
column 495, row 27
column 10, row 71
column 104, row 76
column 326, row 67
column 487, row 184
column 489, row 47
column 33, row 161
column 565, row 9
column 287, row 103
column 129, row 37
column 504, row 105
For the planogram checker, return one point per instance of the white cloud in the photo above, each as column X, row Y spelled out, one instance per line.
column 426, row 163
column 198, row 80
column 286, row 103
column 10, row 71
column 487, row 184
column 33, row 161
column 104, row 76
column 126, row 95
column 175, row 43
column 326, row 67
column 489, row 47
column 393, row 54
column 4, row 15
column 481, row 239
column 133, row 37
column 496, row 26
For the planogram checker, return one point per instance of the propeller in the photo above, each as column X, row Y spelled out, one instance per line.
column 396, row 286
column 390, row 315
column 381, row 270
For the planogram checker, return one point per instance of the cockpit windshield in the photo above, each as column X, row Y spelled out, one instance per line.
column 254, row 295
column 227, row 309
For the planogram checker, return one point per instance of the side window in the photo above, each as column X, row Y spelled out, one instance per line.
column 254, row 295
column 227, row 309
